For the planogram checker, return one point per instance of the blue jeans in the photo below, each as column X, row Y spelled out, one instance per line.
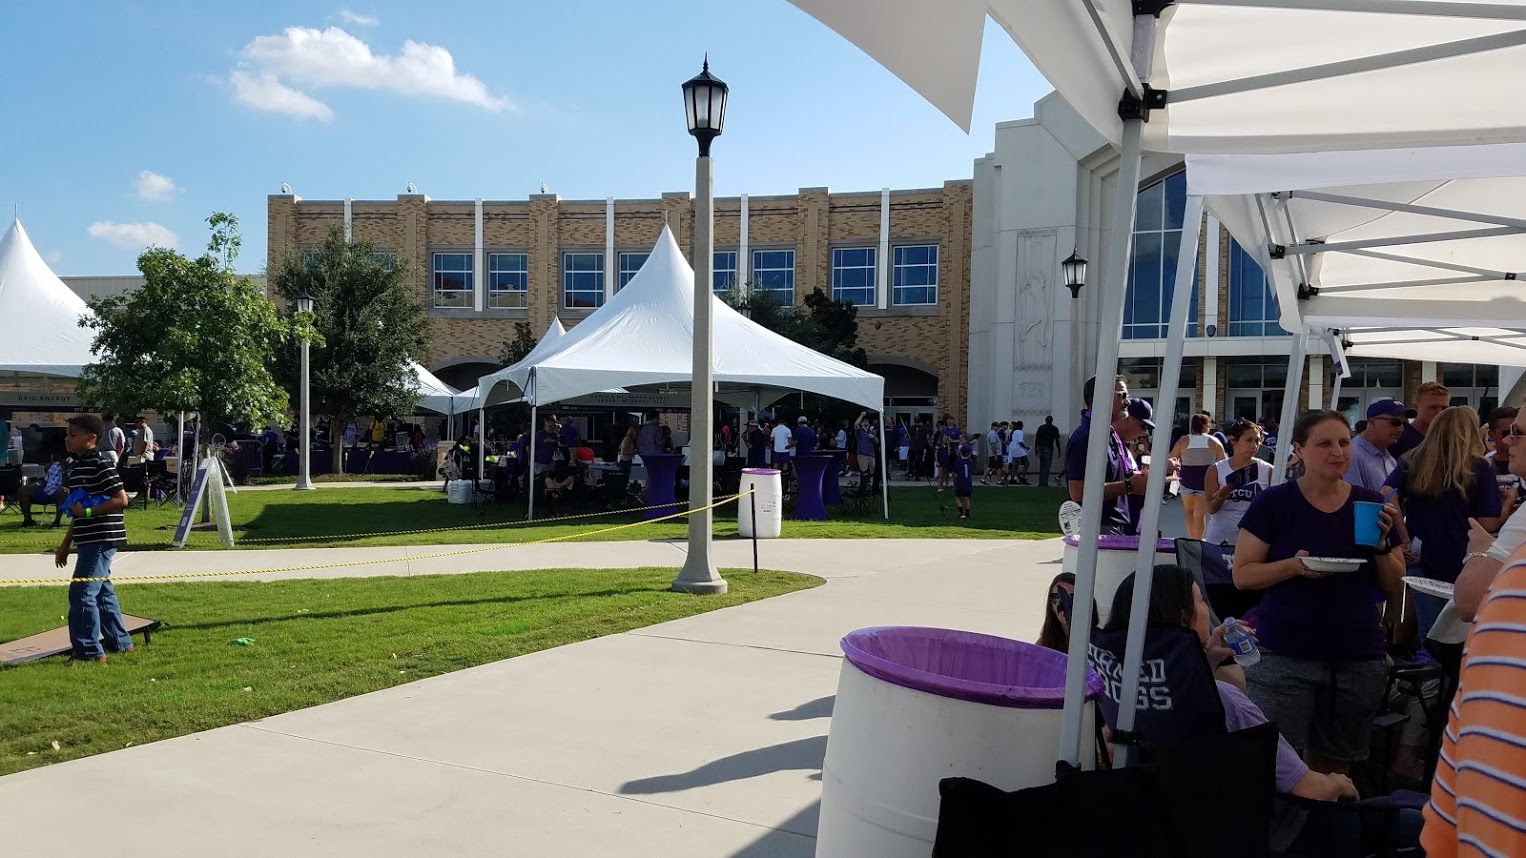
column 95, row 618
column 1046, row 461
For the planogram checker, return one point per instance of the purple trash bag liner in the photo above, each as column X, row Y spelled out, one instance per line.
column 964, row 665
column 1118, row 542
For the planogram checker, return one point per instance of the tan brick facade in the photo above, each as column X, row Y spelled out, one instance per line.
column 931, row 339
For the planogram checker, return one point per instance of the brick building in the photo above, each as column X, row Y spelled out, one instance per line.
column 480, row 266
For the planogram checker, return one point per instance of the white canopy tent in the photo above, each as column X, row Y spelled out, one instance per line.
column 434, row 394
column 40, row 332
column 1301, row 75
column 642, row 338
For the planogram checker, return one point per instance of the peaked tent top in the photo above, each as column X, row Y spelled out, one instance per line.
column 434, row 394
column 644, row 335
column 1303, row 75
column 39, row 315
column 547, row 344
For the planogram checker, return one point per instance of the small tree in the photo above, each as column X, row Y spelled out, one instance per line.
column 823, row 324
column 195, row 337
column 370, row 325
column 514, row 350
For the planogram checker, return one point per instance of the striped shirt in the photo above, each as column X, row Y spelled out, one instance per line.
column 98, row 478
column 1478, row 800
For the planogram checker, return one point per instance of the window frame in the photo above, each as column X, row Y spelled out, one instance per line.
column 624, row 275
column 719, row 287
column 786, row 295
column 839, row 270
column 897, row 288
column 468, row 277
column 493, row 289
column 568, row 275
column 1236, row 295
column 1157, row 219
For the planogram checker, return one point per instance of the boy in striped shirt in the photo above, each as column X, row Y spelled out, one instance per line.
column 95, row 618
column 1478, row 800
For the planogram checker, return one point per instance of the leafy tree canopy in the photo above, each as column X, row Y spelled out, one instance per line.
column 370, row 324
column 195, row 337
column 514, row 350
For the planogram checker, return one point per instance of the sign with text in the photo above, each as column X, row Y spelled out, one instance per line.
column 192, row 503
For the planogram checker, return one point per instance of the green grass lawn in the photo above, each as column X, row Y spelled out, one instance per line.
column 315, row 641
column 346, row 516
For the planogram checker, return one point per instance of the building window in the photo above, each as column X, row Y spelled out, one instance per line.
column 723, row 277
column 1152, row 267
column 308, row 257
column 773, row 273
column 453, row 281
column 1374, row 372
column 508, row 281
column 914, row 275
column 1252, row 306
column 853, row 275
column 630, row 263
column 582, row 280
column 386, row 259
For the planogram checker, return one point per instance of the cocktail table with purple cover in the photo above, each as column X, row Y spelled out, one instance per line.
column 831, row 481
column 661, row 477
column 808, row 474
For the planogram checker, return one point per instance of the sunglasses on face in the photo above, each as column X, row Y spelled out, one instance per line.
column 1514, row 432
column 1391, row 421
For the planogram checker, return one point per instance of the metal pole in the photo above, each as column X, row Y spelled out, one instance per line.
column 698, row 574
column 305, row 439
column 1109, row 331
column 884, row 467
column 1296, row 360
column 481, row 444
column 1335, row 392
column 531, row 481
column 1160, row 449
column 752, row 498
column 180, row 459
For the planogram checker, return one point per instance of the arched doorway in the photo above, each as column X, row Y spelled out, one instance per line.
column 463, row 373
column 911, row 388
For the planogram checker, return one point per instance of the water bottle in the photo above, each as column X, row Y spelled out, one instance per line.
column 1240, row 640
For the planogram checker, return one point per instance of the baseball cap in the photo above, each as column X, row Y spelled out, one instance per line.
column 1389, row 408
column 803, row 419
column 965, row 450
column 1141, row 411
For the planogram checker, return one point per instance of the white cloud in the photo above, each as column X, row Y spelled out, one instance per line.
column 349, row 16
column 54, row 257
column 154, row 186
column 133, row 236
column 266, row 93
column 306, row 57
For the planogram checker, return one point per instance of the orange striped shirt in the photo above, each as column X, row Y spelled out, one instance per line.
column 1478, row 800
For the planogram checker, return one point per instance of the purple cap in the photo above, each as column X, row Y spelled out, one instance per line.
column 1389, row 408
column 1140, row 410
column 965, row 450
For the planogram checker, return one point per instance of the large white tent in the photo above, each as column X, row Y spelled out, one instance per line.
column 434, row 394
column 1224, row 76
column 644, row 336
column 504, row 378
column 40, row 332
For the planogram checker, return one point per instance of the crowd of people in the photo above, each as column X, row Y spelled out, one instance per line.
column 1444, row 486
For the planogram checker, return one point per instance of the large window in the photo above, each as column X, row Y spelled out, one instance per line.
column 773, row 273
column 630, row 263
column 914, row 274
column 386, row 259
column 1152, row 268
column 853, row 275
column 582, row 280
column 508, row 281
column 453, row 281
column 723, row 276
column 1252, row 306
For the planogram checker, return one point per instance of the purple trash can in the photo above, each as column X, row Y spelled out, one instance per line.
column 915, row 705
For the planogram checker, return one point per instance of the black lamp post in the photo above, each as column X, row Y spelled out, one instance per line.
column 705, row 112
column 1074, row 269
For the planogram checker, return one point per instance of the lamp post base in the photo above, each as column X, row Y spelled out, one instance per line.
column 301, row 487
column 699, row 578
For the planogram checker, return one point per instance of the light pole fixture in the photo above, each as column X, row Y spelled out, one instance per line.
column 304, row 427
column 745, row 309
column 1074, row 269
column 705, row 111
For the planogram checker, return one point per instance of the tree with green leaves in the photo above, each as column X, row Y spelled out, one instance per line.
column 196, row 337
column 514, row 350
column 371, row 326
column 824, row 324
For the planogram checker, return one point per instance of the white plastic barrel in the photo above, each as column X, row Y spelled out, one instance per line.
column 459, row 491
column 889, row 745
column 1116, row 556
column 768, row 502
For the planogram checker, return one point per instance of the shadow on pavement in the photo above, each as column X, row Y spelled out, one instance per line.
column 818, row 708
column 801, row 754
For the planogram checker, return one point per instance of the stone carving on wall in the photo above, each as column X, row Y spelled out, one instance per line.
column 1037, row 273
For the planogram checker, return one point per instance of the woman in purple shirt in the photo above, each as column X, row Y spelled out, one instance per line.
column 1322, row 672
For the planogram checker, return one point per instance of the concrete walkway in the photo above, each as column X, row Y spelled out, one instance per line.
column 698, row 737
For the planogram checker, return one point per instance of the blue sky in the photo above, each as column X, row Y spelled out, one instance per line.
column 132, row 122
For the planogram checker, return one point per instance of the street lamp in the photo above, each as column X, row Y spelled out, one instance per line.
column 705, row 110
column 1074, row 269
column 304, row 433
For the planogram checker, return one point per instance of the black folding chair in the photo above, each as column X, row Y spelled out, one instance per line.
column 10, row 488
column 1212, row 566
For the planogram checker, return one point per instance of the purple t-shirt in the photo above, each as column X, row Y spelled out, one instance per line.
column 964, row 474
column 865, row 442
column 1441, row 524
column 545, row 447
column 1409, row 439
column 1115, row 513
column 1321, row 618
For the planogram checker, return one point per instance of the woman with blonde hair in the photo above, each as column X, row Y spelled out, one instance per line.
column 1441, row 484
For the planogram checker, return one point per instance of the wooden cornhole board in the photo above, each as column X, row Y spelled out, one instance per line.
column 56, row 641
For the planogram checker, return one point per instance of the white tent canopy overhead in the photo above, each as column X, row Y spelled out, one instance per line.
column 517, row 370
column 434, row 394
column 1354, row 73
column 1411, row 253
column 39, row 315
column 644, row 336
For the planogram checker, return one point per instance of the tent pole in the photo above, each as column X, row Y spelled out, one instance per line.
column 884, row 467
column 1109, row 332
column 1296, row 360
column 1335, row 392
column 481, row 442
column 1160, row 450
column 530, row 480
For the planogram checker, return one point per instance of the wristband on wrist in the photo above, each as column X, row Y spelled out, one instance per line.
column 89, row 512
column 1472, row 555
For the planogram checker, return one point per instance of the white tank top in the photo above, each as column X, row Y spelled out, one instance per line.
column 1247, row 482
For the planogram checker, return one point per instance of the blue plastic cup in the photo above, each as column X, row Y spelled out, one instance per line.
column 1367, row 530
